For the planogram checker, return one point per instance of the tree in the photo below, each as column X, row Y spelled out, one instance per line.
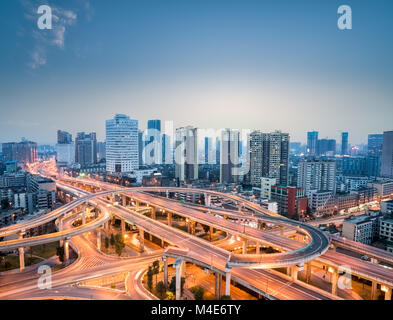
column 106, row 242
column 119, row 244
column 156, row 268
column 112, row 241
column 172, row 285
column 161, row 290
column 60, row 253
column 224, row 297
column 198, row 293
column 150, row 278
column 5, row 204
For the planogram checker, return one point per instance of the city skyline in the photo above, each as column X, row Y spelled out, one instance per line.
column 197, row 63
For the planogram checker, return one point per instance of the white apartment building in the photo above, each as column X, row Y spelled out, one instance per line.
column 186, row 154
column 65, row 153
column 122, row 154
column 266, row 187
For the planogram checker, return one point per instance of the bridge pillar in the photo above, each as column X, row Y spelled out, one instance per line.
column 84, row 209
column 227, row 281
column 217, row 287
column 374, row 290
column 373, row 260
column 123, row 226
column 141, row 239
column 21, row 259
column 170, row 219
column 66, row 250
column 153, row 213
column 334, row 282
column 188, row 226
column 107, row 228
column 240, row 206
column 244, row 249
column 180, row 268
column 257, row 248
column 193, row 225
column 388, row 294
column 99, row 239
column 162, row 243
column 167, row 193
column 308, row 272
column 207, row 200
column 123, row 200
column 165, row 272
column 211, row 233
column 281, row 230
column 150, row 237
column 294, row 273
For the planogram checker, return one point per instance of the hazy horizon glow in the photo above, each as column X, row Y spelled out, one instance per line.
column 265, row 65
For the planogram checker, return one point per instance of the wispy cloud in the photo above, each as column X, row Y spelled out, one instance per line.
column 62, row 20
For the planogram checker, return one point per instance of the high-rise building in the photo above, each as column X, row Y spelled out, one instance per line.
column 65, row 148
column 63, row 137
column 209, row 155
column 153, row 154
column 86, row 148
column 229, row 153
column 387, row 155
column 166, row 149
column 101, row 151
column 279, row 157
column 140, row 147
column 316, row 175
column 259, row 150
column 344, row 143
column 25, row 151
column 374, row 146
column 312, row 141
column 122, row 144
column 326, row 147
column 186, row 154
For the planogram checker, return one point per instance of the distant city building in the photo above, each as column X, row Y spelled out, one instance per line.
column 186, row 154
column 122, row 144
column 295, row 148
column 344, row 143
column 153, row 154
column 86, row 148
column 229, row 162
column 317, row 175
column 101, row 151
column 167, row 154
column 353, row 166
column 384, row 187
column 140, row 147
column 25, row 151
column 374, row 146
column 363, row 228
column 209, row 152
column 291, row 201
column 387, row 207
column 65, row 153
column 266, row 187
column 387, row 155
column 312, row 141
column 63, row 137
column 326, row 147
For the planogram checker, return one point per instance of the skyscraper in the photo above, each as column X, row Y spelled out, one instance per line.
column 258, row 148
column 344, row 143
column 209, row 156
column 86, row 148
column 316, row 175
column 279, row 157
column 65, row 148
column 374, row 146
column 140, row 147
column 25, row 151
column 122, row 144
column 229, row 153
column 312, row 141
column 326, row 147
column 186, row 154
column 387, row 155
column 166, row 149
column 153, row 152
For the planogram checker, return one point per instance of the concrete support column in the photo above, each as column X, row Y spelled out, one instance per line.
column 240, row 207
column 193, row 225
column 153, row 213
column 217, row 287
column 84, row 211
column 107, row 227
column 211, row 233
column 281, row 230
column 374, row 290
column 123, row 226
column 180, row 266
column 167, row 193
column 244, row 250
column 227, row 282
column 123, row 200
column 99, row 239
column 165, row 272
column 207, row 200
column 141, row 239
column 373, row 260
column 294, row 273
column 308, row 272
column 188, row 226
column 150, row 237
column 66, row 250
column 388, row 294
column 257, row 248
column 21, row 259
column 162, row 243
column 334, row 282
column 170, row 219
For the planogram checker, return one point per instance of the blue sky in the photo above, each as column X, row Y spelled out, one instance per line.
column 209, row 63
